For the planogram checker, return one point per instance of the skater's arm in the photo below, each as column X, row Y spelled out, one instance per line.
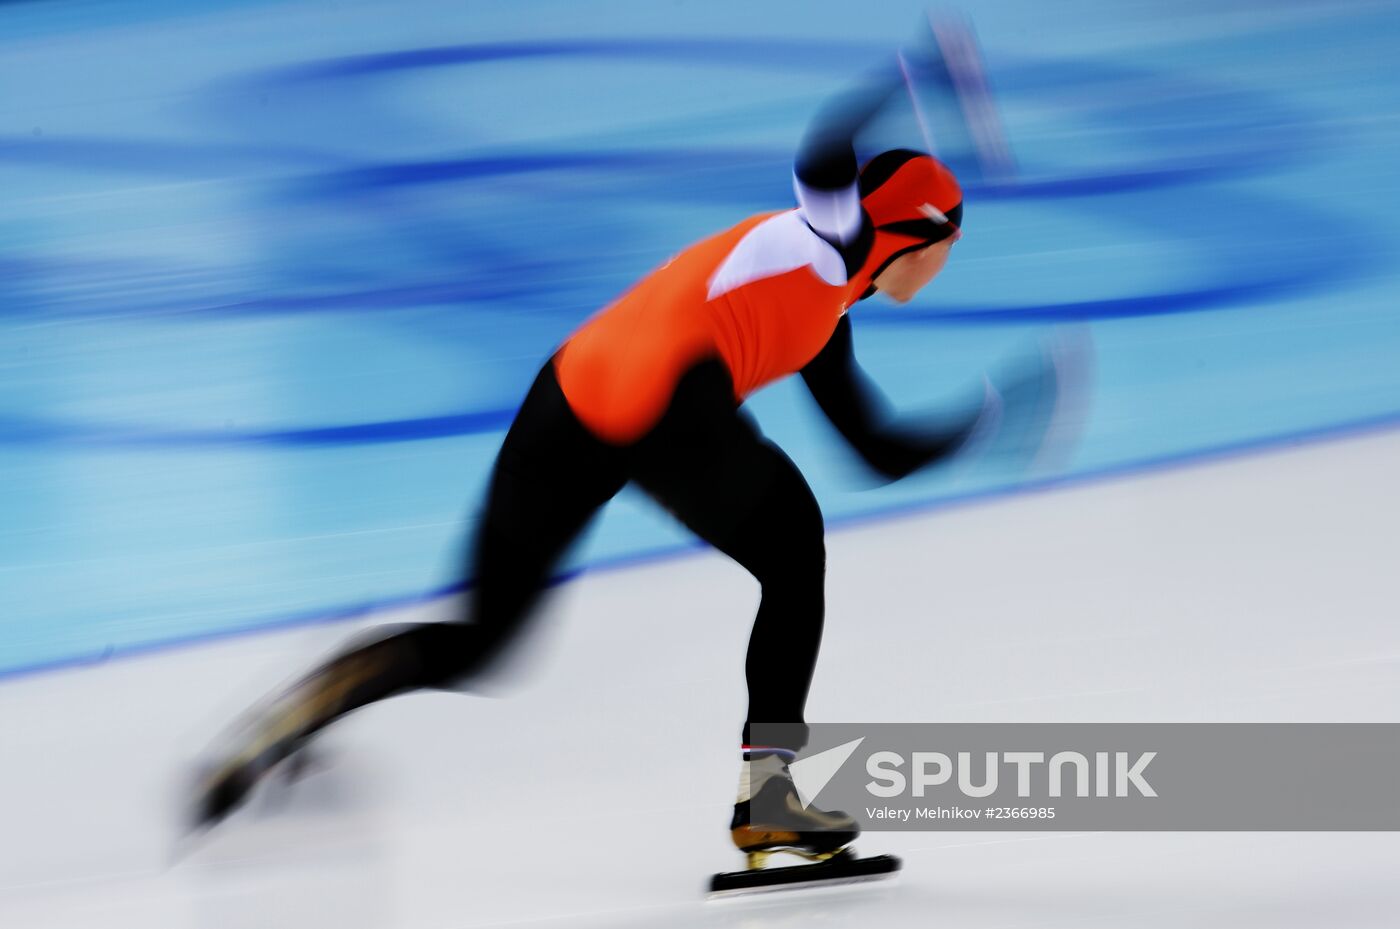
column 860, row 412
column 826, row 174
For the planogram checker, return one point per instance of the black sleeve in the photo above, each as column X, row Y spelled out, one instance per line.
column 827, row 157
column 826, row 173
column 862, row 415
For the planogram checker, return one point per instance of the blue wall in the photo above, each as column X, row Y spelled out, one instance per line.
column 273, row 276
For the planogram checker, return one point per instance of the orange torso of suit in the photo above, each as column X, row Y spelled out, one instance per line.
column 763, row 297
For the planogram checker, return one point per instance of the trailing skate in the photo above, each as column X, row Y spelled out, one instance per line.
column 278, row 731
column 770, row 818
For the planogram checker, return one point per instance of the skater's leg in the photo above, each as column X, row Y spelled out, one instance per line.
column 708, row 465
column 548, row 480
column 550, row 477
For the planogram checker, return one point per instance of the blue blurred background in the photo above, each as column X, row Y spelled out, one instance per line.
column 274, row 275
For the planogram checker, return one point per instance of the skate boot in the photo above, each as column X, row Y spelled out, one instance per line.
column 277, row 731
column 770, row 817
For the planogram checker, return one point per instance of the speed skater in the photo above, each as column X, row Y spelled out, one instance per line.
column 650, row 391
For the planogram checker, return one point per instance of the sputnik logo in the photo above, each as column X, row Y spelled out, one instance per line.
column 811, row 774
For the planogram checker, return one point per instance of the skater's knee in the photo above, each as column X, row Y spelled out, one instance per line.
column 802, row 552
column 791, row 552
column 794, row 563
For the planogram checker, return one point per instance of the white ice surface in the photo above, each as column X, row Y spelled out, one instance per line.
column 597, row 793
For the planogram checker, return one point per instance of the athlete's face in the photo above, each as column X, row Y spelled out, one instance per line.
column 908, row 273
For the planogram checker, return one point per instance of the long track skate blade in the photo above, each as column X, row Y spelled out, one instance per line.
column 827, row 873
